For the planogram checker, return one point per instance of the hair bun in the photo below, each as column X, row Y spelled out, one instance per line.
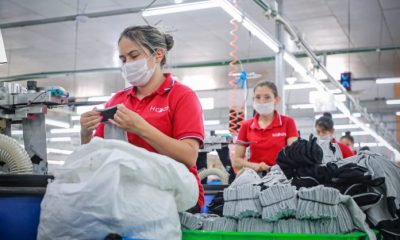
column 169, row 41
column 347, row 133
column 327, row 114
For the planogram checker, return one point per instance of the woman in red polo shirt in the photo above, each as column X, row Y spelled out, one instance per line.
column 324, row 128
column 266, row 133
column 153, row 111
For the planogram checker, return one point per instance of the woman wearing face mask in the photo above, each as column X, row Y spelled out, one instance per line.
column 266, row 133
column 348, row 140
column 325, row 130
column 154, row 110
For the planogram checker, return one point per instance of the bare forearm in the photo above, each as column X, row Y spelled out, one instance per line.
column 240, row 162
column 181, row 151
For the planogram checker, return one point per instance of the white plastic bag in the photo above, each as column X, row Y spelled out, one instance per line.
column 110, row 186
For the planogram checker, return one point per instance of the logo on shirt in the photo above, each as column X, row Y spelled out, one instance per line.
column 279, row 134
column 159, row 109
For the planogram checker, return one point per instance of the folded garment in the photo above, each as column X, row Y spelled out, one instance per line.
column 317, row 203
column 292, row 225
column 191, row 221
column 220, row 224
column 254, row 225
column 278, row 201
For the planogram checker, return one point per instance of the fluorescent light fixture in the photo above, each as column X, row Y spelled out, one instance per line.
column 339, row 115
column 178, row 1
column 388, row 80
column 177, row 8
column 75, row 129
column 335, row 91
column 222, row 132
column 59, row 151
column 60, row 139
column 57, row 123
column 75, row 118
column 302, row 106
column 393, row 101
column 346, row 126
column 371, row 144
column 397, row 113
column 260, row 34
column 199, row 82
column 207, row 103
column 291, row 80
column 3, row 57
column 359, row 133
column 16, row 132
column 100, row 98
column 55, row 162
column 291, row 60
column 298, row 86
column 227, row 7
column 340, row 97
column 211, row 122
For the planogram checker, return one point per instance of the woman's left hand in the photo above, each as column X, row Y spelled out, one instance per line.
column 128, row 120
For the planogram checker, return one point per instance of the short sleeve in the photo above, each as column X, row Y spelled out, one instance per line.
column 291, row 129
column 188, row 118
column 242, row 136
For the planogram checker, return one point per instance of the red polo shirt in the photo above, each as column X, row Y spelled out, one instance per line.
column 173, row 108
column 346, row 151
column 265, row 144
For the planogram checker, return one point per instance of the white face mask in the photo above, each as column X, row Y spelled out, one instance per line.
column 137, row 73
column 264, row 108
column 324, row 139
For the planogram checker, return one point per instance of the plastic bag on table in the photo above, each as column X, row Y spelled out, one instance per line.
column 110, row 186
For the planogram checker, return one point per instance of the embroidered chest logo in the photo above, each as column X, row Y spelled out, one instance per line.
column 159, row 109
column 279, row 134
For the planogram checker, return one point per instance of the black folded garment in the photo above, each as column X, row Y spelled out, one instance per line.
column 216, row 205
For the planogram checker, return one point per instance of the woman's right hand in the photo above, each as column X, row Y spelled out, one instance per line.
column 261, row 167
column 89, row 121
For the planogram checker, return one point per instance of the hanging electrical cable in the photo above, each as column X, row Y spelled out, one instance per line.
column 233, row 107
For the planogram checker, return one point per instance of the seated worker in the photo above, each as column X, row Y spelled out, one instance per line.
column 266, row 133
column 325, row 130
column 348, row 140
column 153, row 111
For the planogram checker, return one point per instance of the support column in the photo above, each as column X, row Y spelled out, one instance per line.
column 279, row 62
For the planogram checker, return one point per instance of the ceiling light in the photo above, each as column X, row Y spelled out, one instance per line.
column 339, row 115
column 211, row 122
column 346, row 126
column 222, row 132
column 83, row 109
column 58, row 151
column 371, row 144
column 57, row 123
column 291, row 60
column 302, row 106
column 291, row 80
column 207, row 103
column 199, row 82
column 359, row 133
column 60, row 139
column 260, row 34
column 100, row 98
column 397, row 113
column 3, row 57
column 75, row 118
column 178, row 1
column 75, row 129
column 393, row 101
column 298, row 86
column 180, row 8
column 335, row 91
column 388, row 80
column 55, row 162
